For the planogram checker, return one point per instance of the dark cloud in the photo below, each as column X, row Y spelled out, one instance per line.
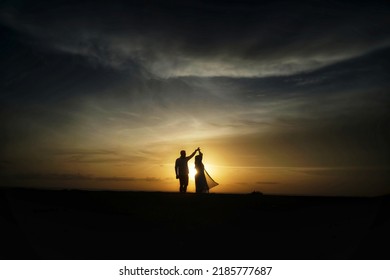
column 125, row 179
column 94, row 156
column 378, row 172
column 50, row 176
column 259, row 38
column 75, row 177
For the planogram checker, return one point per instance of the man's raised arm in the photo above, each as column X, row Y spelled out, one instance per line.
column 193, row 153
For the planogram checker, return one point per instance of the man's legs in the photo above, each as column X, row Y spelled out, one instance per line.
column 183, row 183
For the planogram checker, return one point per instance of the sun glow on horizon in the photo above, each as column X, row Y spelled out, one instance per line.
column 192, row 173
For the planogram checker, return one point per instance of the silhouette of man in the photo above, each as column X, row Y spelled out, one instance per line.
column 181, row 169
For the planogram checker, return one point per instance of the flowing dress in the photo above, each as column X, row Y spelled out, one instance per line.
column 203, row 181
column 200, row 179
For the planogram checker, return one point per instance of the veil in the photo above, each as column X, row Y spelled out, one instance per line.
column 210, row 181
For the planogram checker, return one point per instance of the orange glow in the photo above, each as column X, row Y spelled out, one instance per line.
column 192, row 172
column 237, row 164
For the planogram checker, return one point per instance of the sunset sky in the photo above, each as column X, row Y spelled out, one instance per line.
column 282, row 97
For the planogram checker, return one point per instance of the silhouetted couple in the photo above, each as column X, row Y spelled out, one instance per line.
column 182, row 172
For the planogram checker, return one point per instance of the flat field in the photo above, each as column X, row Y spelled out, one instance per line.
column 76, row 224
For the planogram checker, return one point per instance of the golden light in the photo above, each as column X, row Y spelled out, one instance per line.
column 192, row 173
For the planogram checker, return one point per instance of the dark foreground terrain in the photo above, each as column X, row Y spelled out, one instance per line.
column 69, row 224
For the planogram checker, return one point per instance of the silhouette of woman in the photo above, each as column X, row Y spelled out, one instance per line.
column 200, row 177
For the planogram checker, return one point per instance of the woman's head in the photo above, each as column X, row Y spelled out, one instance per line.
column 198, row 158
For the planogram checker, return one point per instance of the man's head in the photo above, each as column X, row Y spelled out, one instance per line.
column 182, row 153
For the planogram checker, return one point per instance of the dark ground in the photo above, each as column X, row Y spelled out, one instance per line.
column 70, row 224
